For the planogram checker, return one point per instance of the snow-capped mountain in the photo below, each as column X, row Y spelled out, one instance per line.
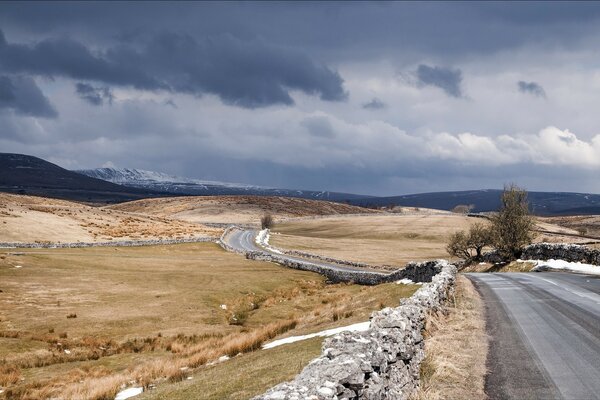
column 162, row 182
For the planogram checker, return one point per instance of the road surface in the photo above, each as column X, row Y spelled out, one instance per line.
column 545, row 335
column 245, row 240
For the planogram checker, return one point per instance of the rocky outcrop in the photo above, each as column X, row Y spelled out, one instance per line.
column 381, row 363
column 562, row 251
column 116, row 243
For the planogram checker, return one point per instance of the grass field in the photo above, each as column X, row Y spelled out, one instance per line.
column 79, row 323
column 392, row 239
column 236, row 209
column 38, row 219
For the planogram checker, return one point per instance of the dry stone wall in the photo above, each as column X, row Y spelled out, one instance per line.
column 566, row 252
column 116, row 243
column 381, row 363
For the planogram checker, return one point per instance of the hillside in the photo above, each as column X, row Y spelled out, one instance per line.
column 25, row 174
column 158, row 181
column 31, row 218
column 236, row 209
column 541, row 203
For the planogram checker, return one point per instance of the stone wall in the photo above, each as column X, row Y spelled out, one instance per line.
column 416, row 272
column 381, row 363
column 561, row 251
column 120, row 243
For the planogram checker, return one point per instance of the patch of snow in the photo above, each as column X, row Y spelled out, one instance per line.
column 223, row 306
column 67, row 351
column 262, row 239
column 406, row 281
column 359, row 327
column 18, row 266
column 129, row 392
column 561, row 265
column 223, row 358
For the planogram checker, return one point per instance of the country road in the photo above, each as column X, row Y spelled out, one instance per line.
column 545, row 335
column 245, row 240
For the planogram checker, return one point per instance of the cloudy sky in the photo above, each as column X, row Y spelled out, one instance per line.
column 372, row 98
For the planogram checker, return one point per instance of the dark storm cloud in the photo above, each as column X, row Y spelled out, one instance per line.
column 94, row 95
column 447, row 79
column 337, row 30
column 374, row 104
column 21, row 94
column 243, row 73
column 532, row 88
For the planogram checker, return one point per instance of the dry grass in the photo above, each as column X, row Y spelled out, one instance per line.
column 38, row 219
column 153, row 314
column 456, row 347
column 392, row 239
column 514, row 266
column 236, row 209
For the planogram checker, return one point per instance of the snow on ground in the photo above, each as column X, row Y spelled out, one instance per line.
column 406, row 281
column 359, row 327
column 129, row 392
column 18, row 266
column 262, row 239
column 560, row 265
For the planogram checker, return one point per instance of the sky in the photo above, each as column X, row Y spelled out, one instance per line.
column 373, row 98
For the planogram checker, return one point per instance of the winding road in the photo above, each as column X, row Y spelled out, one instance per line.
column 545, row 335
column 244, row 240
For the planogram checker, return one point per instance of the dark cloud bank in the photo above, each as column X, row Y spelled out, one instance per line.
column 244, row 73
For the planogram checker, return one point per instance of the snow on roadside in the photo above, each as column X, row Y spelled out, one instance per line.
column 561, row 265
column 262, row 239
column 359, row 327
column 129, row 392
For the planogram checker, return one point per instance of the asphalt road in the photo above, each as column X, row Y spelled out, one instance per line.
column 545, row 335
column 245, row 240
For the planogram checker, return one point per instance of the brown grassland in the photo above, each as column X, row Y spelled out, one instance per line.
column 80, row 323
column 38, row 219
column 236, row 209
column 391, row 239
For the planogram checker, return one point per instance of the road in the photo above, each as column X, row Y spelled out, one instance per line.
column 245, row 240
column 545, row 335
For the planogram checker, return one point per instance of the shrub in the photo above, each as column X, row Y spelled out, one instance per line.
column 463, row 208
column 513, row 224
column 266, row 222
column 469, row 245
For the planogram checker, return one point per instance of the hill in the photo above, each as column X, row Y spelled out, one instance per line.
column 161, row 182
column 541, row 203
column 31, row 218
column 236, row 209
column 25, row 174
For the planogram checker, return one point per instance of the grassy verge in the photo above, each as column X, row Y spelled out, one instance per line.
column 514, row 266
column 456, row 349
column 244, row 376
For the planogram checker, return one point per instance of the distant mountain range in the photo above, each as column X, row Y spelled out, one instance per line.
column 540, row 203
column 25, row 174
column 160, row 182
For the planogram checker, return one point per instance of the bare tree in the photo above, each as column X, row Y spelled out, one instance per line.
column 513, row 224
column 266, row 221
column 463, row 208
column 469, row 245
